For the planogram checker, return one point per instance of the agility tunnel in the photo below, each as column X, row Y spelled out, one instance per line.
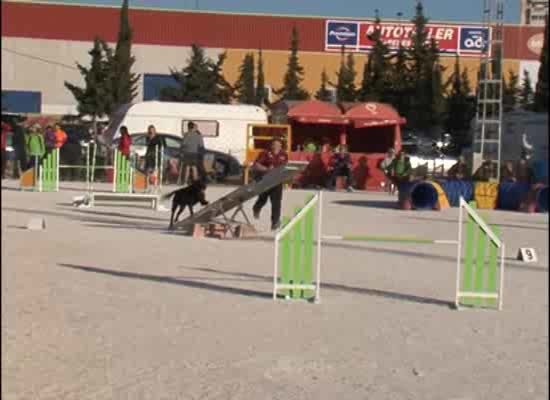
column 512, row 195
column 457, row 188
column 422, row 195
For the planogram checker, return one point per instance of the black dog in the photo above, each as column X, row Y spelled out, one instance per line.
column 186, row 197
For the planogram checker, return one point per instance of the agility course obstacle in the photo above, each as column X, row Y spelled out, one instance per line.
column 480, row 282
column 44, row 176
column 294, row 253
column 479, row 273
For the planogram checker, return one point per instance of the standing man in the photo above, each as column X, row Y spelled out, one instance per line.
column 266, row 161
column 155, row 146
column 192, row 151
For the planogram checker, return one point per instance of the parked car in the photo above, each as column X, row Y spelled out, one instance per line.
column 223, row 165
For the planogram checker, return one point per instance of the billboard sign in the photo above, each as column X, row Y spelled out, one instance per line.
column 341, row 33
column 450, row 39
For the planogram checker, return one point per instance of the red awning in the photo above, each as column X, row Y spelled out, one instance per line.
column 317, row 112
column 374, row 114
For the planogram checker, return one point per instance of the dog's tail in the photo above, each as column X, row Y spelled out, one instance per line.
column 168, row 195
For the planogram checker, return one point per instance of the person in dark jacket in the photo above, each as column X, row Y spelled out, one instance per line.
column 153, row 155
column 507, row 173
column 192, row 151
column 459, row 170
column 266, row 161
column 340, row 165
column 20, row 149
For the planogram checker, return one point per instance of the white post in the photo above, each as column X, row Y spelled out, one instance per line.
column 92, row 177
column 501, row 289
column 275, row 267
column 161, row 169
column 40, row 177
column 57, row 171
column 319, row 238
column 88, row 167
column 459, row 253
column 115, row 164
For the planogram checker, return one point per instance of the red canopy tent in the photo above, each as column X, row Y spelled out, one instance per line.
column 317, row 112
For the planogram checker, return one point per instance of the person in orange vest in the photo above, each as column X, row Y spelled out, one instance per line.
column 60, row 137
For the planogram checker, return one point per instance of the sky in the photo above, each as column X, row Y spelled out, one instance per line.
column 439, row 10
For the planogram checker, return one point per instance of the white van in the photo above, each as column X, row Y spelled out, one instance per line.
column 224, row 127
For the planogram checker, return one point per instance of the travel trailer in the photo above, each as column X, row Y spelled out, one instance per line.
column 224, row 127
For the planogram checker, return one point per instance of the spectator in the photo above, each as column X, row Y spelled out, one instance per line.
column 507, row 173
column 192, row 151
column 524, row 172
column 266, row 161
column 35, row 146
column 19, row 146
column 326, row 146
column 340, row 165
column 5, row 130
column 60, row 136
column 459, row 170
column 49, row 138
column 400, row 169
column 153, row 154
column 310, row 146
column 385, row 167
column 485, row 172
column 125, row 141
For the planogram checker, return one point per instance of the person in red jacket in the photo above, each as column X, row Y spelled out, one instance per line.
column 125, row 141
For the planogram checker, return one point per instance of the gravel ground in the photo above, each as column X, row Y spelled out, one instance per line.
column 106, row 304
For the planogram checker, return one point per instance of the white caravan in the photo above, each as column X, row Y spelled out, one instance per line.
column 224, row 127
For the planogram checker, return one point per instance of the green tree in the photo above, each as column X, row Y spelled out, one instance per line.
column 292, row 89
column 400, row 82
column 95, row 98
column 246, row 93
column 261, row 96
column 510, row 91
column 460, row 108
column 345, row 86
column 323, row 93
column 200, row 81
column 541, row 92
column 375, row 83
column 123, row 81
column 526, row 95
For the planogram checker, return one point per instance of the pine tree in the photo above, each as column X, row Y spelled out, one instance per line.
column 323, row 94
column 526, row 96
column 221, row 91
column 95, row 98
column 201, row 81
column 345, row 87
column 510, row 91
column 400, row 82
column 246, row 93
column 374, row 86
column 437, row 99
column 261, row 96
column 292, row 90
column 123, row 81
column 459, row 105
column 541, row 92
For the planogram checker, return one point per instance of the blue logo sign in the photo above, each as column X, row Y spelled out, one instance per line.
column 342, row 34
column 473, row 39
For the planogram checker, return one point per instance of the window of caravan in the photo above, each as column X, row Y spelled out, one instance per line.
column 207, row 128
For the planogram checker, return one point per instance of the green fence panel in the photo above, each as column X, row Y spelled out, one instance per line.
column 480, row 265
column 468, row 259
column 492, row 270
column 285, row 258
column 122, row 173
column 308, row 252
column 50, row 171
column 297, row 254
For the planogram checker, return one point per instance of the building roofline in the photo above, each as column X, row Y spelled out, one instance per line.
column 178, row 10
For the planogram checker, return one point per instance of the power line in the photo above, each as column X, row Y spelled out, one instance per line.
column 40, row 59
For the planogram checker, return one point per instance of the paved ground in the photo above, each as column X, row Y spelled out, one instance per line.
column 105, row 304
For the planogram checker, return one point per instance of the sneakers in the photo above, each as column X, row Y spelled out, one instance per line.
column 275, row 226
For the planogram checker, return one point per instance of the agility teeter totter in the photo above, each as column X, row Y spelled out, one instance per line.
column 215, row 217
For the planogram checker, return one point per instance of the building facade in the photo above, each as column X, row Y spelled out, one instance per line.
column 533, row 12
column 41, row 44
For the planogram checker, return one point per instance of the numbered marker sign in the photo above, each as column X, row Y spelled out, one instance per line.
column 527, row 254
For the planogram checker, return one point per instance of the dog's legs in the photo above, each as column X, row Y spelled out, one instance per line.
column 174, row 207
column 190, row 209
column 179, row 213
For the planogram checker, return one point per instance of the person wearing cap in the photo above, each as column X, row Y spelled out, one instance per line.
column 266, row 161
